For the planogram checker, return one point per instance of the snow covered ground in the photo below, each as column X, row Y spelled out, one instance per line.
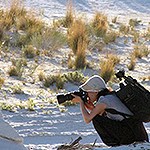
column 45, row 129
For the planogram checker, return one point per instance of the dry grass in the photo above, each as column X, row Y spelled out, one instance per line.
column 136, row 37
column 50, row 80
column 140, row 50
column 17, row 68
column 77, row 36
column 113, row 58
column 29, row 51
column 69, row 18
column 114, row 20
column 110, row 37
column 132, row 64
column 100, row 24
column 49, row 39
column 17, row 18
column 80, row 59
column 107, row 70
column 107, row 67
column 1, row 81
column 124, row 29
column 134, row 22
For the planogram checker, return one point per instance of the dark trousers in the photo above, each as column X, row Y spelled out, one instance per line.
column 115, row 133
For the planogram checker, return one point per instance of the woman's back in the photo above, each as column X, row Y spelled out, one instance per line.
column 112, row 101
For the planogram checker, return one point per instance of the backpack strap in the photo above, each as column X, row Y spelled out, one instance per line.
column 113, row 111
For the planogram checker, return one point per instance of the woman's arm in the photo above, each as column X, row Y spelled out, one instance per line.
column 88, row 116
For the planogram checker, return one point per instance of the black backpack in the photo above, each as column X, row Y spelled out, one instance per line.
column 134, row 96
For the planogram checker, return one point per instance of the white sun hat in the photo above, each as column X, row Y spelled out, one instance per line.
column 94, row 84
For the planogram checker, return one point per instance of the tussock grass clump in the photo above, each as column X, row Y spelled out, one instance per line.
column 107, row 70
column 1, row 81
column 69, row 18
column 80, row 60
column 136, row 37
column 9, row 17
column 100, row 24
column 1, row 33
column 132, row 64
column 78, row 41
column 41, row 76
column 147, row 34
column 140, row 51
column 110, row 37
column 137, row 53
column 13, row 71
column 77, row 36
column 113, row 58
column 107, row 67
column 16, row 19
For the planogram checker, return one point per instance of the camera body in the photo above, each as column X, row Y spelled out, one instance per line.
column 61, row 98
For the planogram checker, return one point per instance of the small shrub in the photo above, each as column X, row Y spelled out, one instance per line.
column 29, row 51
column 74, row 77
column 17, row 68
column 96, row 43
column 30, row 104
column 8, row 107
column 145, row 50
column 41, row 76
column 16, row 89
column 13, row 71
column 114, row 20
column 140, row 51
column 136, row 37
column 54, row 79
column 49, row 39
column 134, row 22
column 124, row 29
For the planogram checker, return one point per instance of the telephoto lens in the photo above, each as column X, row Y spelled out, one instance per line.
column 61, row 98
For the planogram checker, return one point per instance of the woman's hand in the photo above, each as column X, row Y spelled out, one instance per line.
column 76, row 99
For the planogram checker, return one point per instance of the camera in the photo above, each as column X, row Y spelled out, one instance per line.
column 120, row 74
column 61, row 98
